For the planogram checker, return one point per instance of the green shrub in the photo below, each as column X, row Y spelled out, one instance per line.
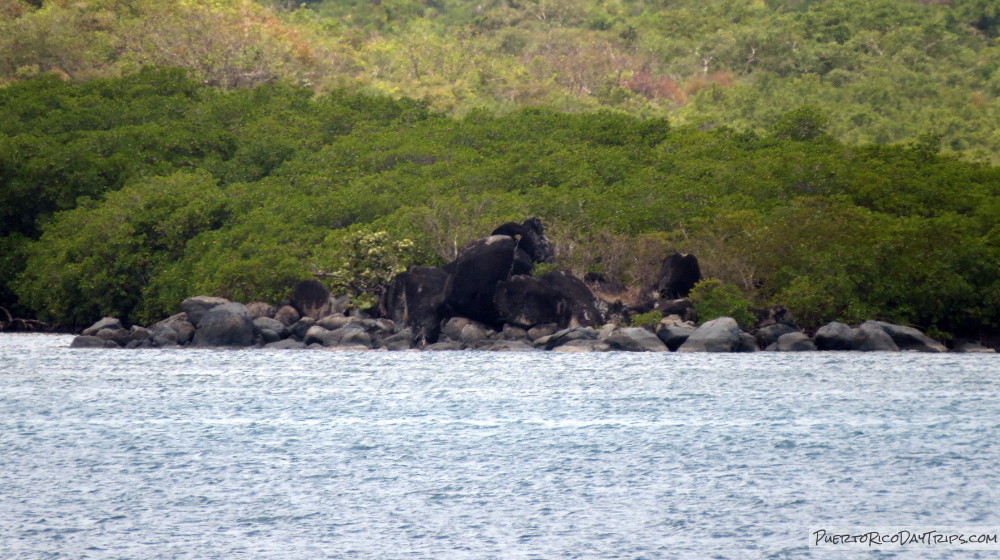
column 647, row 320
column 713, row 299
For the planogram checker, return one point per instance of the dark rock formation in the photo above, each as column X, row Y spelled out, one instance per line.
column 228, row 324
column 414, row 298
column 525, row 301
column 579, row 306
column 260, row 309
column 556, row 297
column 474, row 276
column 678, row 274
column 531, row 238
column 311, row 299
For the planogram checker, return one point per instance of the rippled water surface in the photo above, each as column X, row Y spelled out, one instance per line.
column 309, row 454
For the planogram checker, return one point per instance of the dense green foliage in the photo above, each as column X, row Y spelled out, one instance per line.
column 123, row 196
column 882, row 70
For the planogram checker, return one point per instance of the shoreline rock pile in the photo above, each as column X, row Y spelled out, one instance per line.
column 488, row 299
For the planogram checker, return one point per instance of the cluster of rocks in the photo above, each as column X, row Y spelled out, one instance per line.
column 215, row 322
column 488, row 299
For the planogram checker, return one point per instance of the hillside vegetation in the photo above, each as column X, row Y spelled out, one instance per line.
column 882, row 70
column 122, row 196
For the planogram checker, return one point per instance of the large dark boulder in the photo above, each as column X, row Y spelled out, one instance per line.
column 229, row 324
column 525, row 301
column 474, row 275
column 555, row 297
column 311, row 299
column 678, row 274
column 579, row 304
column 531, row 238
column 414, row 299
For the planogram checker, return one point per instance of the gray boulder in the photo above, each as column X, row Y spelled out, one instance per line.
column 766, row 336
column 565, row 336
column 837, row 336
column 302, row 326
column 583, row 345
column 196, row 307
column 635, row 339
column 261, row 324
column 971, row 346
column 465, row 330
column 909, row 338
column 747, row 343
column 287, row 344
column 444, row 345
column 318, row 335
column 793, row 342
column 510, row 332
column 506, row 346
column 119, row 336
column 717, row 335
column 403, row 340
column 674, row 332
column 545, row 329
column 336, row 321
column 139, row 334
column 105, row 323
column 353, row 336
column 875, row 339
column 88, row 341
column 174, row 330
column 267, row 336
column 288, row 315
column 228, row 324
column 260, row 309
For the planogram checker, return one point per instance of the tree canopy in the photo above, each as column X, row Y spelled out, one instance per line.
column 122, row 196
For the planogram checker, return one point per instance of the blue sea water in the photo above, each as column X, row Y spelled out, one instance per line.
column 198, row 454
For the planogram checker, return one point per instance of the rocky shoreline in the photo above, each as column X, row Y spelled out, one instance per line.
column 488, row 299
column 211, row 323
